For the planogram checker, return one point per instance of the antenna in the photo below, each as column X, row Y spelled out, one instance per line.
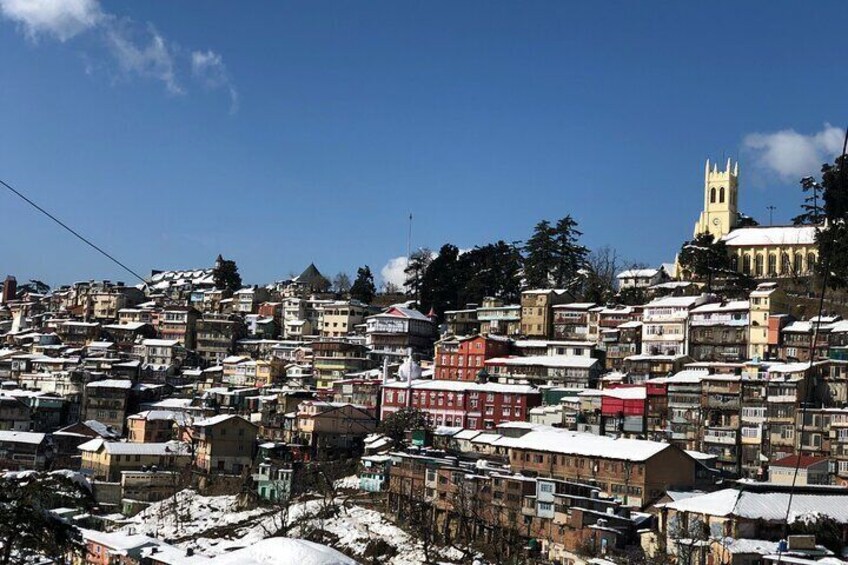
column 409, row 239
column 771, row 210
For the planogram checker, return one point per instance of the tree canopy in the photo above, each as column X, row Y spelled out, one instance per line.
column 226, row 275
column 363, row 288
column 27, row 528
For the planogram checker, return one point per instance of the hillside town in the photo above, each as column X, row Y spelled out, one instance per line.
column 189, row 419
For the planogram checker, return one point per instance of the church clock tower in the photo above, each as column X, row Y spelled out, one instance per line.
column 721, row 191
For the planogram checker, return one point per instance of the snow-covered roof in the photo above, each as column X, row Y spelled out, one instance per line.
column 21, row 437
column 555, row 440
column 637, row 274
column 132, row 448
column 675, row 302
column 769, row 506
column 721, row 306
column 563, row 361
column 625, row 393
column 464, row 386
column 771, row 235
column 160, row 342
column 111, row 383
column 284, row 551
column 214, row 420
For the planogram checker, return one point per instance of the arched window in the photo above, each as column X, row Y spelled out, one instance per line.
column 811, row 262
column 758, row 265
column 712, row 195
column 772, row 264
column 798, row 266
column 785, row 267
column 746, row 263
column 734, row 262
column 721, row 194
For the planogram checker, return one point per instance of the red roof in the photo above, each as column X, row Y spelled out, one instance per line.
column 792, row 460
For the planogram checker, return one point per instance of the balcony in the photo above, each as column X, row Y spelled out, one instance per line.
column 723, row 402
column 724, row 437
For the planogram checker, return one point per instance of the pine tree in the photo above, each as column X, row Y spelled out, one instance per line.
column 419, row 260
column 539, row 262
column 813, row 206
column 832, row 239
column 569, row 255
column 363, row 288
column 226, row 275
column 440, row 285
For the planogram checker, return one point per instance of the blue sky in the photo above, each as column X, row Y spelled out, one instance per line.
column 279, row 133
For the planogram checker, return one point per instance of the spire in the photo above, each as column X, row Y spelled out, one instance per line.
column 736, row 169
column 728, row 165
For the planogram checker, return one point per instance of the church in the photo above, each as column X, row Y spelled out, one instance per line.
column 757, row 251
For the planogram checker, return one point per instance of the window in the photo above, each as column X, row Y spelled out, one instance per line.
column 758, row 265
column 721, row 195
column 785, row 268
column 712, row 195
column 772, row 264
column 746, row 264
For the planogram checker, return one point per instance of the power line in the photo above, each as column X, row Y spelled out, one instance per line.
column 74, row 232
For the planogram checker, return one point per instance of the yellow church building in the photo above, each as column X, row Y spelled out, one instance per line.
column 757, row 251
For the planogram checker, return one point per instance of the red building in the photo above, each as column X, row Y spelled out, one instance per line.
column 460, row 359
column 476, row 406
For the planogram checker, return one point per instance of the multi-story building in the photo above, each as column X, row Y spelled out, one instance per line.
column 639, row 471
column 247, row 300
column 328, row 427
column 571, row 320
column 765, row 301
column 621, row 342
column 105, row 460
column 797, row 338
column 753, row 436
column 225, row 444
column 398, row 331
column 462, row 322
column 333, row 359
column 665, row 324
column 107, row 402
column 462, row 358
column 537, row 319
column 497, row 318
column 475, row 406
column 641, row 278
column 78, row 334
column 179, row 323
column 685, row 408
column 340, row 318
column 559, row 370
column 721, row 401
column 217, row 335
column 718, row 331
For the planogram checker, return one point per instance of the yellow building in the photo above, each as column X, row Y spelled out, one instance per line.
column 757, row 251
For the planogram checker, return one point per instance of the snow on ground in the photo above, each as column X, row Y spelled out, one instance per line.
column 213, row 525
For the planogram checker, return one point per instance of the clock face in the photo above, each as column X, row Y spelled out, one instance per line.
column 716, row 221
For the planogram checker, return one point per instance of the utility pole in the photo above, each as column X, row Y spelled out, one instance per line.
column 771, row 210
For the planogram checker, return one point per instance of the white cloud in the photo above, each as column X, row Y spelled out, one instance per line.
column 155, row 59
column 208, row 67
column 63, row 19
column 792, row 155
column 137, row 50
column 392, row 272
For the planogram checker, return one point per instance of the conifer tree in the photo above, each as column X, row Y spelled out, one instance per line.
column 363, row 288
column 539, row 261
